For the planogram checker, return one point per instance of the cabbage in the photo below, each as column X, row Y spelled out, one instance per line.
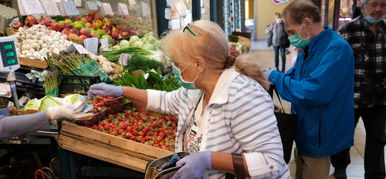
column 72, row 99
column 47, row 102
column 33, row 104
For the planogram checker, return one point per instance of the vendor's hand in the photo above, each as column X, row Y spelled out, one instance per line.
column 68, row 112
column 268, row 72
column 194, row 165
column 104, row 89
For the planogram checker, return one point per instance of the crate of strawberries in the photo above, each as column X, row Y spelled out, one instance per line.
column 119, row 134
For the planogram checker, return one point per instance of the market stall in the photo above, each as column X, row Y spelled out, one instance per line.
column 60, row 50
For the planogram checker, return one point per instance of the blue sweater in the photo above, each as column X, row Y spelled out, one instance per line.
column 321, row 89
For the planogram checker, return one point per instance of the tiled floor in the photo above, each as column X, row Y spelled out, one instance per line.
column 355, row 170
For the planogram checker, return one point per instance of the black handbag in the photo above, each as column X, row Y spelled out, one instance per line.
column 287, row 126
column 284, row 41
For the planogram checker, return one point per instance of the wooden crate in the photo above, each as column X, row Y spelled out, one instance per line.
column 116, row 150
column 33, row 63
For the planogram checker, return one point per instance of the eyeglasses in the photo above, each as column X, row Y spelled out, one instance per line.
column 187, row 27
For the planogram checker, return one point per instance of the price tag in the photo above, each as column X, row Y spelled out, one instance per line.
column 145, row 9
column 90, row 5
column 124, row 58
column 104, row 42
column 70, row 8
column 30, row 7
column 91, row 45
column 132, row 2
column 107, row 10
column 76, row 48
column 122, row 9
column 50, row 7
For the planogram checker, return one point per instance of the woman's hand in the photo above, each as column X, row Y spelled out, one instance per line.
column 67, row 112
column 194, row 165
column 104, row 89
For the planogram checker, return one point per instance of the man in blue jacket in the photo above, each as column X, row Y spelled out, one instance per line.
column 320, row 88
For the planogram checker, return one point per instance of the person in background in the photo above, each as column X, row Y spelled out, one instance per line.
column 367, row 36
column 277, row 33
column 226, row 119
column 17, row 125
column 320, row 89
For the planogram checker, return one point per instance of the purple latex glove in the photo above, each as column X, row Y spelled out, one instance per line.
column 268, row 72
column 104, row 89
column 194, row 165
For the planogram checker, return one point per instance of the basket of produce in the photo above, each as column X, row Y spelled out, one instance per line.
column 122, row 137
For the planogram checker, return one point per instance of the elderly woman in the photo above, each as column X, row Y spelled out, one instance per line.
column 225, row 119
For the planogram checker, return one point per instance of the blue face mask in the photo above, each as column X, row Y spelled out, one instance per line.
column 371, row 20
column 297, row 41
column 178, row 74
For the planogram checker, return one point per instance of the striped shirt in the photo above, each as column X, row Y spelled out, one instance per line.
column 241, row 121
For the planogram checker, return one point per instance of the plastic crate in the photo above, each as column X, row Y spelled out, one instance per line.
column 21, row 78
column 76, row 84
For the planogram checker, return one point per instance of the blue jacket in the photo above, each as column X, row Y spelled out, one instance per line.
column 321, row 90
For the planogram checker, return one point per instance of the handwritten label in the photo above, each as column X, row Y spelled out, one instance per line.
column 90, row 5
column 123, row 59
column 30, row 7
column 104, row 42
column 145, row 9
column 122, row 9
column 50, row 7
column 107, row 10
column 76, row 48
column 70, row 8
column 91, row 45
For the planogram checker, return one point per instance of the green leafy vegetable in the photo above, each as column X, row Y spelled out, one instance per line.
column 72, row 99
column 47, row 102
column 33, row 104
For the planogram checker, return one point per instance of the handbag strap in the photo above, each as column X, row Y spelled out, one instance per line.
column 273, row 88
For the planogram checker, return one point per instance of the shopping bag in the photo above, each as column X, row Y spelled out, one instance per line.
column 164, row 168
column 287, row 126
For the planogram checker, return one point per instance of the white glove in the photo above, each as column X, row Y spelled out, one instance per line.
column 68, row 112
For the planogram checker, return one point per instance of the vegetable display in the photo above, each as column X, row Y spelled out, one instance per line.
column 42, row 104
column 37, row 42
column 149, row 80
column 147, row 46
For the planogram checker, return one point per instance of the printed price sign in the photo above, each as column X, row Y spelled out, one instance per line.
column 91, row 45
column 76, row 48
column 124, row 58
column 50, row 7
column 107, row 10
column 122, row 9
column 145, row 9
column 90, row 5
column 104, row 42
column 30, row 7
column 70, row 8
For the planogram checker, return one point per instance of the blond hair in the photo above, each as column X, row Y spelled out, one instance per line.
column 300, row 9
column 208, row 41
column 248, row 64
